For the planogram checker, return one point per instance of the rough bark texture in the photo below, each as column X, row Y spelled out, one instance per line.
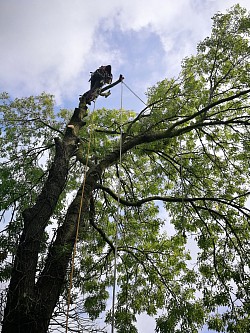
column 31, row 300
column 21, row 297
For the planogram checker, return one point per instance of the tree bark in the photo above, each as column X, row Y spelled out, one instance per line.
column 31, row 300
column 20, row 298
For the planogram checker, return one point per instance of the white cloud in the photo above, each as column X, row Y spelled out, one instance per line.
column 44, row 44
column 52, row 45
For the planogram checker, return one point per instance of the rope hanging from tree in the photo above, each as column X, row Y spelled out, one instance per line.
column 183, row 192
column 78, row 220
column 118, row 205
column 117, row 220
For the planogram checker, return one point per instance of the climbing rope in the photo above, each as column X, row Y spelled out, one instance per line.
column 117, row 215
column 117, row 221
column 182, row 184
column 133, row 93
column 78, row 220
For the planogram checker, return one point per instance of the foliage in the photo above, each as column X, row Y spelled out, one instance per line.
column 186, row 155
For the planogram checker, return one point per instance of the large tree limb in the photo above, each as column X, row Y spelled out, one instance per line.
column 140, row 202
column 20, row 310
column 173, row 131
column 194, row 115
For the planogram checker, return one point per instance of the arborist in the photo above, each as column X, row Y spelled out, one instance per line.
column 100, row 77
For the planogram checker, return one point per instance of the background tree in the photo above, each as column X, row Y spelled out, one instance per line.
column 188, row 149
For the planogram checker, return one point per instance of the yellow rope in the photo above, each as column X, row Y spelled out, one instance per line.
column 78, row 220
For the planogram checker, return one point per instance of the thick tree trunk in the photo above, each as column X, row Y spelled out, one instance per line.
column 52, row 279
column 31, row 300
column 21, row 289
column 22, row 300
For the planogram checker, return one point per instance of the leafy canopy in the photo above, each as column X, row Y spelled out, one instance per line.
column 187, row 166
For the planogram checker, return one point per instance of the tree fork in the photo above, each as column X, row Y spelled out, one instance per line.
column 29, row 307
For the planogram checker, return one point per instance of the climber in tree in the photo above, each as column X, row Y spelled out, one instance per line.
column 100, row 77
column 97, row 80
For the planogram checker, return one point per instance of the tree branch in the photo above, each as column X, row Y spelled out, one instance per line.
column 92, row 94
column 95, row 226
column 51, row 127
column 170, row 132
column 210, row 106
column 121, row 78
column 140, row 202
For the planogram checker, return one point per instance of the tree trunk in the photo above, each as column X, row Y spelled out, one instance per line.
column 31, row 300
column 22, row 312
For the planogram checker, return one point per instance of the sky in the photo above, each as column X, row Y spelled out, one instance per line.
column 53, row 45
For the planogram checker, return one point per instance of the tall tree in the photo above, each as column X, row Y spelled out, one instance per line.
column 186, row 153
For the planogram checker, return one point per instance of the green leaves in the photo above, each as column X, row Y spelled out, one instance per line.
column 27, row 129
column 96, row 299
column 182, row 185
